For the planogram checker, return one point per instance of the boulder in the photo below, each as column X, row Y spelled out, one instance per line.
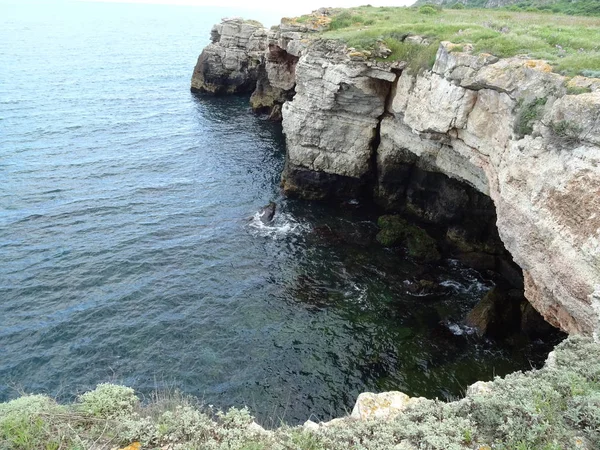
column 384, row 406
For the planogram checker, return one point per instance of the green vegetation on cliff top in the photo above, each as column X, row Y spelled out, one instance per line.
column 571, row 44
column 570, row 7
column 557, row 407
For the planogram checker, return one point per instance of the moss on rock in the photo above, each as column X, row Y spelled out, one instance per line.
column 395, row 231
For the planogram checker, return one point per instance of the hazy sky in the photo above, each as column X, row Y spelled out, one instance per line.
column 286, row 7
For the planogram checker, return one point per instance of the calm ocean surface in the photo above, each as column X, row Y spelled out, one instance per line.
column 129, row 252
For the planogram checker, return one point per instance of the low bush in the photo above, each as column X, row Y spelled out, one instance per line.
column 565, row 132
column 557, row 407
column 578, row 90
column 108, row 401
column 428, row 10
column 528, row 114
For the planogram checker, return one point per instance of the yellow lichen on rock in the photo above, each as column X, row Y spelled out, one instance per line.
column 538, row 65
column 133, row 446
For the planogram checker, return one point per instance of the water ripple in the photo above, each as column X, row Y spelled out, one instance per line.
column 130, row 248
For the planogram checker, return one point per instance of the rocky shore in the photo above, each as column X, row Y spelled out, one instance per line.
column 473, row 143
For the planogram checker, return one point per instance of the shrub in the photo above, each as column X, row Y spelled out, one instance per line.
column 26, row 423
column 419, row 57
column 427, row 10
column 566, row 132
column 554, row 408
column 527, row 115
column 591, row 73
column 458, row 6
column 342, row 20
column 577, row 90
column 108, row 401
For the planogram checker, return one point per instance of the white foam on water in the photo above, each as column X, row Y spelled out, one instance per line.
column 360, row 293
column 460, row 330
column 283, row 224
column 454, row 285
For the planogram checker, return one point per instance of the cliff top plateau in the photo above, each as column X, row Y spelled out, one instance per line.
column 569, row 44
column 570, row 7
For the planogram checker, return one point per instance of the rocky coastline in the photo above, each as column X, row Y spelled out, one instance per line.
column 496, row 153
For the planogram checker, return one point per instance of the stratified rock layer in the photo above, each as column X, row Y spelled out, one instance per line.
column 352, row 121
column 231, row 62
column 438, row 145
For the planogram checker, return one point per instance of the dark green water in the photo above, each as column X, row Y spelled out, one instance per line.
column 129, row 252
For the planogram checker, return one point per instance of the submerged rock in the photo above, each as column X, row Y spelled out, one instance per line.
column 502, row 312
column 397, row 231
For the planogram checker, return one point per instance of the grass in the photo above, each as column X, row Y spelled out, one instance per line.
column 571, row 44
column 566, row 132
column 557, row 407
column 573, row 8
column 527, row 115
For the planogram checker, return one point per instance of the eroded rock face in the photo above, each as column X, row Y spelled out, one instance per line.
column 357, row 126
column 333, row 121
column 230, row 63
column 244, row 57
column 351, row 122
column 276, row 80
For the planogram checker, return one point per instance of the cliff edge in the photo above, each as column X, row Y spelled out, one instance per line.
column 509, row 128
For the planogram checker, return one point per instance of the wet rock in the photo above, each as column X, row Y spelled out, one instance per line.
column 397, row 231
column 532, row 322
column 316, row 185
column 329, row 235
column 498, row 314
column 425, row 288
column 267, row 213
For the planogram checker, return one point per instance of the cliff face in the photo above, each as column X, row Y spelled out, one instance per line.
column 500, row 129
column 230, row 63
column 460, row 119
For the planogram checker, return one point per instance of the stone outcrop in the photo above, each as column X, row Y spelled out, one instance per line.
column 230, row 63
column 356, row 122
column 475, row 134
column 332, row 124
column 277, row 75
column 245, row 57
column 382, row 406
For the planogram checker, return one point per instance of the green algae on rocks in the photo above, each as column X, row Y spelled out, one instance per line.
column 397, row 231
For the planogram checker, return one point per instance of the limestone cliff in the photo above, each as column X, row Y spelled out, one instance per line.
column 230, row 63
column 505, row 130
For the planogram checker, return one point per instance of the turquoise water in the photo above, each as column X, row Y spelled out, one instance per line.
column 129, row 252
